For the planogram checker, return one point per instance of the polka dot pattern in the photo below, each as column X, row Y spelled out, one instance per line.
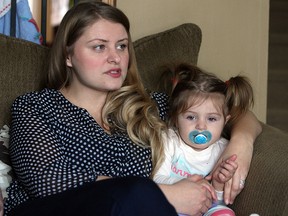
column 56, row 146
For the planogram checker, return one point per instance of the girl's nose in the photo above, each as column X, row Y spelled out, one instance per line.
column 201, row 125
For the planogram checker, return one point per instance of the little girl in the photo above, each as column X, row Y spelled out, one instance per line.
column 202, row 107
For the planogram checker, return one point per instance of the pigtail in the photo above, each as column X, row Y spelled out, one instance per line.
column 239, row 96
column 172, row 74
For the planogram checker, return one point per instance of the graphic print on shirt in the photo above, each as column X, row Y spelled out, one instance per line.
column 181, row 169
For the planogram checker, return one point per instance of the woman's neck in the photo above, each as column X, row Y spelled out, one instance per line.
column 91, row 100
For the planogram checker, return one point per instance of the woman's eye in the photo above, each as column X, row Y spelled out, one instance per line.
column 122, row 46
column 99, row 47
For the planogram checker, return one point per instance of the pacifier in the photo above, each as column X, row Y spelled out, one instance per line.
column 198, row 137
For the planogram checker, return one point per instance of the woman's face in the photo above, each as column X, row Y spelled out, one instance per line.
column 100, row 57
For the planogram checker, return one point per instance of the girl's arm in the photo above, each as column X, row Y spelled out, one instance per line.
column 243, row 136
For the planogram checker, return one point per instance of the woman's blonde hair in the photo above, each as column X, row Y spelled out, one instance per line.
column 129, row 109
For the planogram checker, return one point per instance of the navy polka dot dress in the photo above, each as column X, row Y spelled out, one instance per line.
column 56, row 145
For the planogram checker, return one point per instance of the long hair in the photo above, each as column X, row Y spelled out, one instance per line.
column 72, row 26
column 189, row 81
column 129, row 109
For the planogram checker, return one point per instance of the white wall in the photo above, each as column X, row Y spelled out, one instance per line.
column 235, row 35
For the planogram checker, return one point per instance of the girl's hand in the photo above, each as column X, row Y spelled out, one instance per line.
column 224, row 172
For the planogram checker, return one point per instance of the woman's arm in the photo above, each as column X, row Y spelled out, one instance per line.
column 243, row 136
column 37, row 155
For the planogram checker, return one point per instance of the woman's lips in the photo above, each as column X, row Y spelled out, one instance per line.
column 115, row 73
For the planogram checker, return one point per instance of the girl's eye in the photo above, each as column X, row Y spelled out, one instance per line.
column 122, row 46
column 212, row 119
column 191, row 118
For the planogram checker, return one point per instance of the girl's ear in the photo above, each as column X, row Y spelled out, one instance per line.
column 68, row 61
column 176, row 123
column 227, row 118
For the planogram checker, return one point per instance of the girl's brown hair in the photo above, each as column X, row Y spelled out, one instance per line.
column 189, row 81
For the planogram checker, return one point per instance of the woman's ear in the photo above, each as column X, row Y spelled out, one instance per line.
column 68, row 61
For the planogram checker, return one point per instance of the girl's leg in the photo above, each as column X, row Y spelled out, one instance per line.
column 114, row 197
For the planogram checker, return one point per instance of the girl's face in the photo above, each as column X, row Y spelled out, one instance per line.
column 100, row 57
column 205, row 116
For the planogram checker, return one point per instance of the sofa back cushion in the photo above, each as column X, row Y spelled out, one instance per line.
column 179, row 44
column 22, row 64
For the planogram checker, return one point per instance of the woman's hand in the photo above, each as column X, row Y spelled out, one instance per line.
column 192, row 196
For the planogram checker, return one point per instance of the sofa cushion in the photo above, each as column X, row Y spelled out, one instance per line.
column 22, row 63
column 179, row 44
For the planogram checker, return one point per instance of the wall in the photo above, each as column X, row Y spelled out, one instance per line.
column 235, row 35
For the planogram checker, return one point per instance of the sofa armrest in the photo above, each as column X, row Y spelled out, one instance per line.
column 266, row 187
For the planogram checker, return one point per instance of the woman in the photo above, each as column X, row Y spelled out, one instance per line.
column 94, row 121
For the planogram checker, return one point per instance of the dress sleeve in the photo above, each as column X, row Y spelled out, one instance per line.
column 162, row 103
column 39, row 161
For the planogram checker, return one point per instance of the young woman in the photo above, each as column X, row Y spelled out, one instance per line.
column 93, row 122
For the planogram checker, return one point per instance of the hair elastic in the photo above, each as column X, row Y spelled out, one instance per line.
column 227, row 82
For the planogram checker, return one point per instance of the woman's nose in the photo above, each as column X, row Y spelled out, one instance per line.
column 113, row 57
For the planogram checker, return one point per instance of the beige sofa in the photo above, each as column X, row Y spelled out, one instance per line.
column 266, row 191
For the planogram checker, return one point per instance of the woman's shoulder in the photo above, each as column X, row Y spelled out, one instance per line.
column 159, row 97
column 162, row 103
column 40, row 98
